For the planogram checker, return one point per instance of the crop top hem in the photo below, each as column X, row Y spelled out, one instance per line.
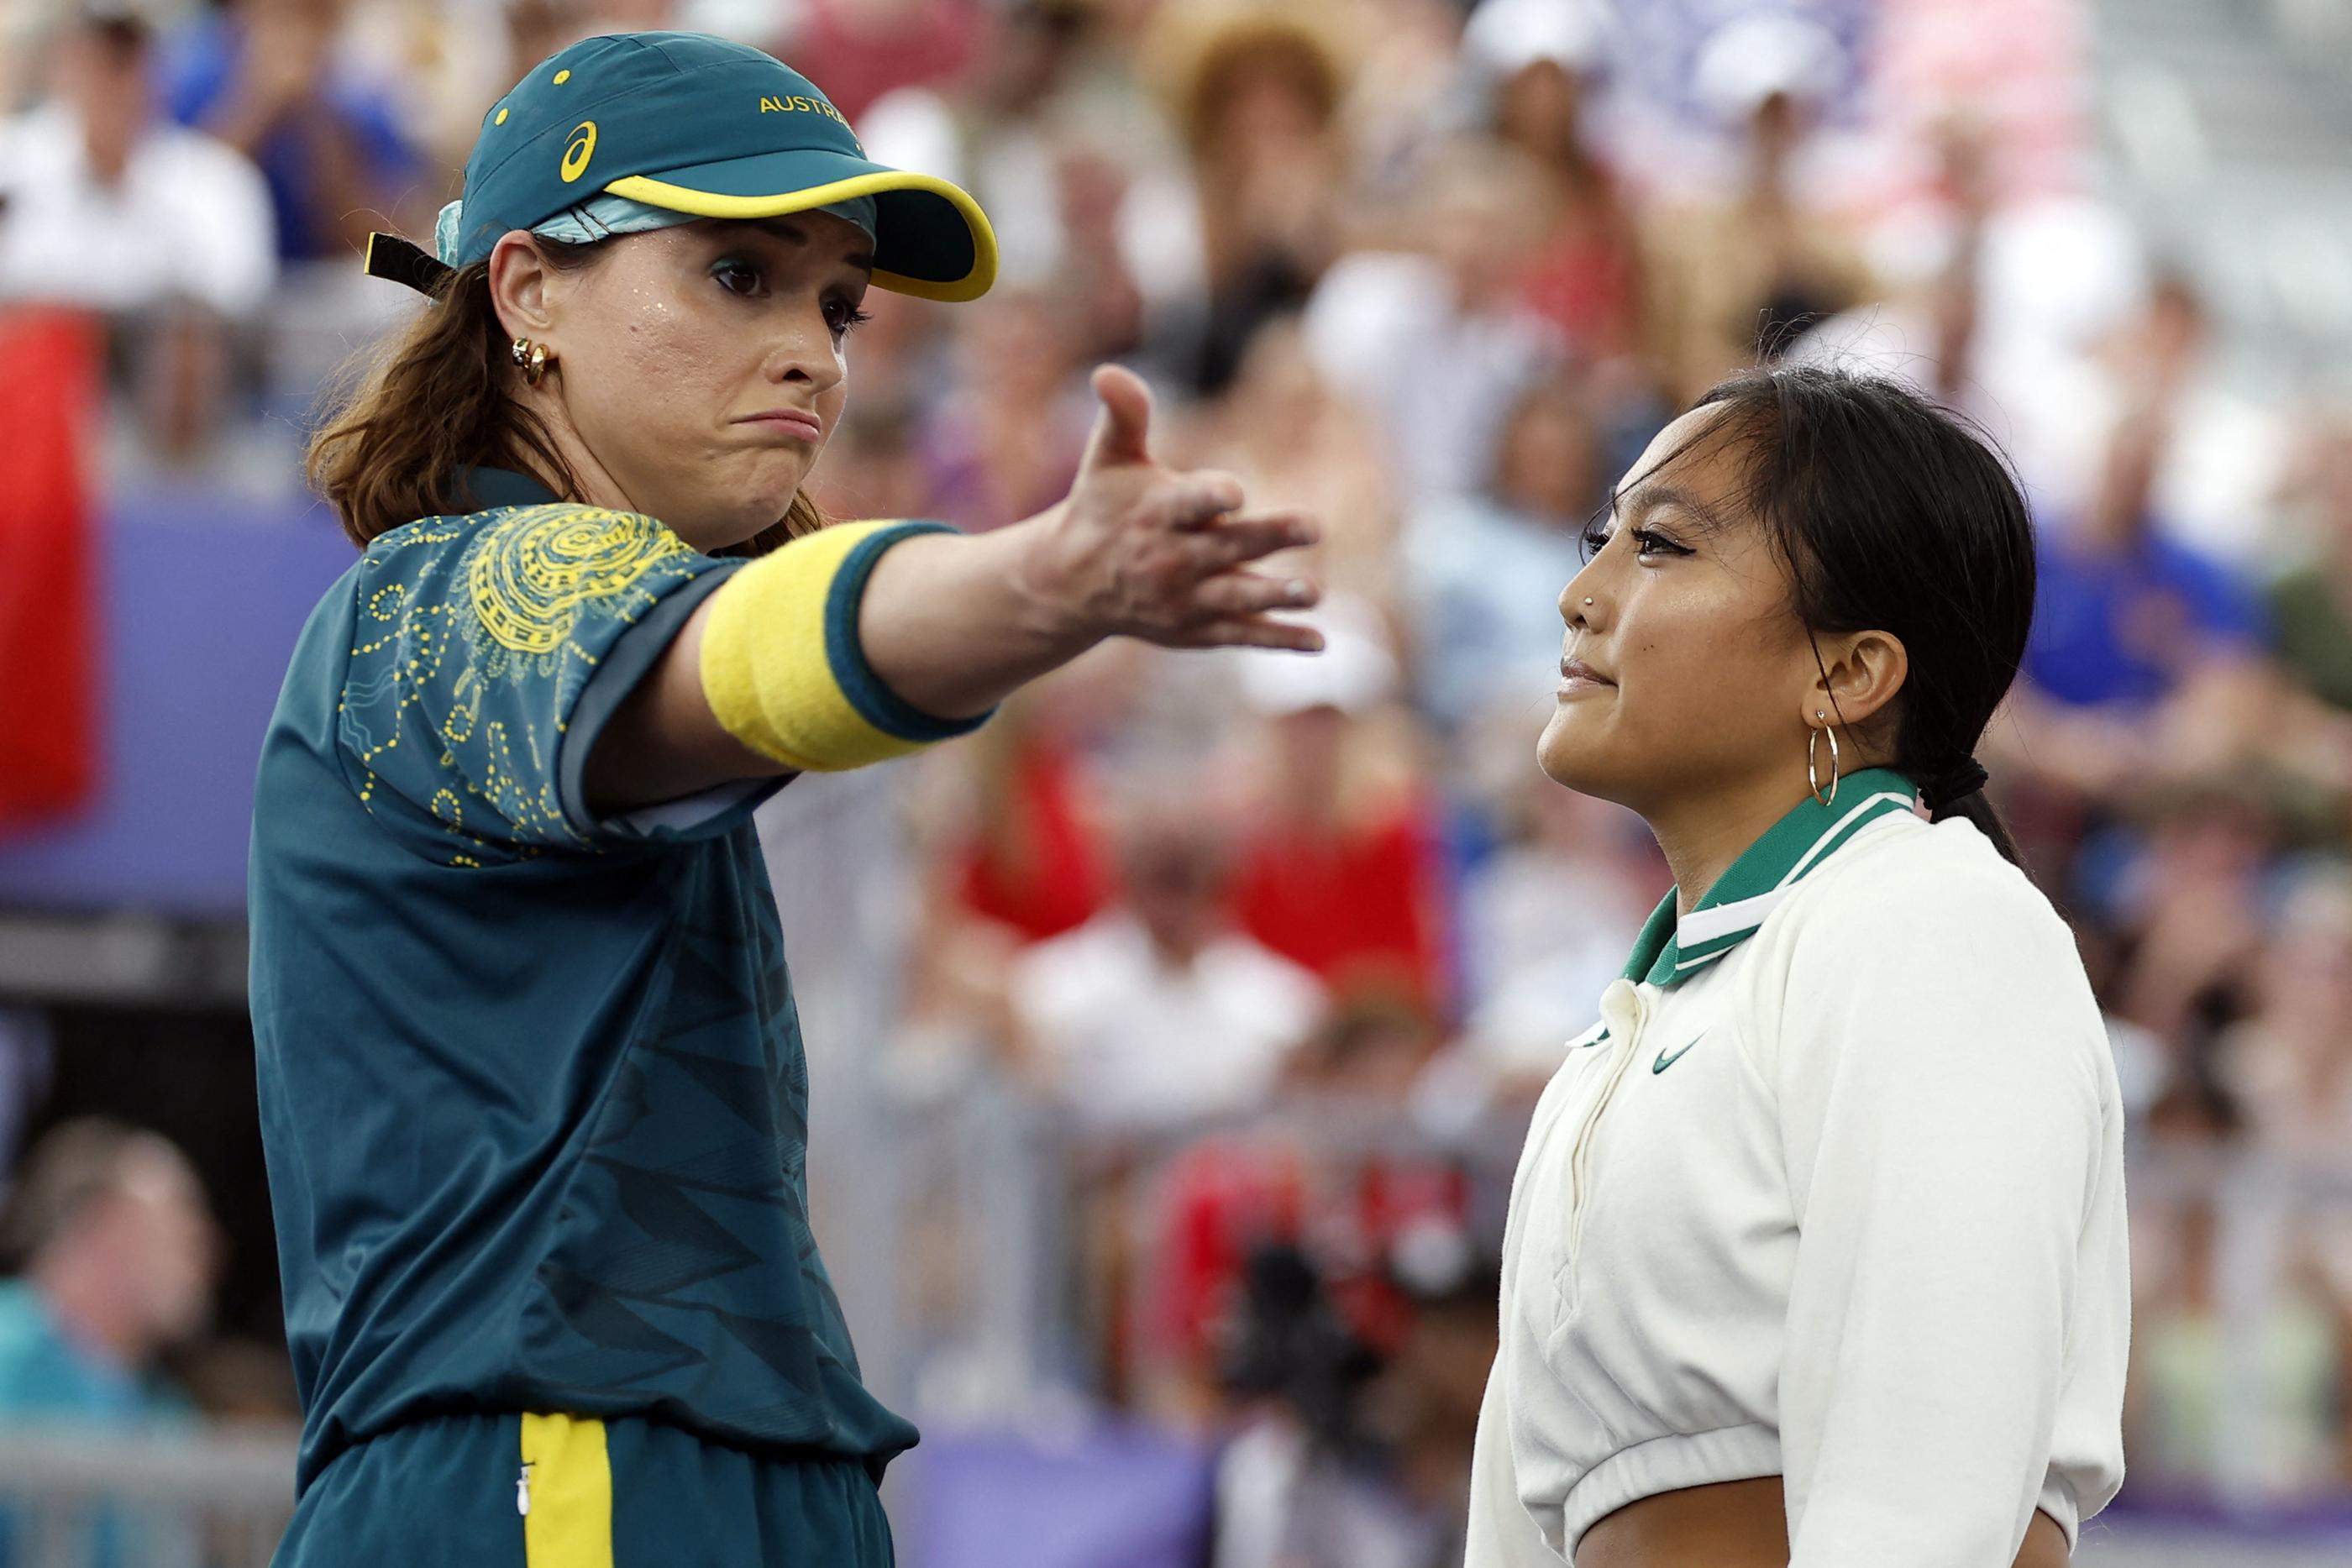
column 1747, row 1453
column 1667, row 1464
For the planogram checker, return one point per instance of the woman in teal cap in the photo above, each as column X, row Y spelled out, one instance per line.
column 531, row 1082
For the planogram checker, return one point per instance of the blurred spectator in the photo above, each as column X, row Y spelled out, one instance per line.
column 118, row 1253
column 2191, row 919
column 1158, row 1013
column 873, row 467
column 1329, row 1166
column 1358, row 1454
column 860, row 49
column 2312, row 606
column 262, row 76
column 1005, row 443
column 1485, row 571
column 1256, row 93
column 2204, row 1342
column 1546, row 923
column 1939, row 324
column 106, row 208
column 1005, row 131
column 2124, row 616
column 1733, row 283
column 1295, row 443
column 1032, row 860
column 2290, row 1063
column 1339, row 868
column 2131, row 632
column 1537, row 60
column 1436, row 342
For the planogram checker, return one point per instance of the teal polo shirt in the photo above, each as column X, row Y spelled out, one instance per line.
column 532, row 1091
column 47, row 1375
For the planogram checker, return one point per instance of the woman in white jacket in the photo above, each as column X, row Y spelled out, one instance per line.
column 1816, row 1250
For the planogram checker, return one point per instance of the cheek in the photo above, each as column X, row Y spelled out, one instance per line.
column 1701, row 662
column 673, row 359
column 1699, row 678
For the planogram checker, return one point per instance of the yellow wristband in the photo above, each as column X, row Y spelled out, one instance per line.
column 782, row 667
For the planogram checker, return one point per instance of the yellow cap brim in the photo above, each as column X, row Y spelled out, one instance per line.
column 704, row 204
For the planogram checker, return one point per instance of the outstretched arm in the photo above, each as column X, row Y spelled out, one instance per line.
column 948, row 626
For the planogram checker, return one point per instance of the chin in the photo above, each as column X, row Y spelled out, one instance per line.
column 1567, row 753
column 766, row 488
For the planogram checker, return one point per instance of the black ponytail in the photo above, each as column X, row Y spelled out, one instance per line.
column 1892, row 514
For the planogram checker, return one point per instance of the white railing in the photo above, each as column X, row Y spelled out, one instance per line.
column 210, row 1497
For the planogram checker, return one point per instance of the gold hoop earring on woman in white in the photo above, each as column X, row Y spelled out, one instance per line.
column 1811, row 776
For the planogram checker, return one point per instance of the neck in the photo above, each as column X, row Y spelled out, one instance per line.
column 90, row 1313
column 1701, row 835
column 597, row 486
column 1172, row 950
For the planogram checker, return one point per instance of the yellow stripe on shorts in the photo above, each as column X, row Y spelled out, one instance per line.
column 567, row 1480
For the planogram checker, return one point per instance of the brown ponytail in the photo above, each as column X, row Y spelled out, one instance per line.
column 436, row 399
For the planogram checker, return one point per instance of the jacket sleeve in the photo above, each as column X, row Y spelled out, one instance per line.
column 1942, row 1111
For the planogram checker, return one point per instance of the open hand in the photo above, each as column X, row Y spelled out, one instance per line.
column 1140, row 550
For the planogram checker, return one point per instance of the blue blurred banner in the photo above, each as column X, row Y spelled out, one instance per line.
column 203, row 596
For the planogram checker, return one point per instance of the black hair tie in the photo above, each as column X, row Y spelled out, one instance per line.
column 1953, row 784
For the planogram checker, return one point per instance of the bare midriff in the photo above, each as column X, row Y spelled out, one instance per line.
column 1737, row 1525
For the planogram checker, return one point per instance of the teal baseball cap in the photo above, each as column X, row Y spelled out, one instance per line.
column 703, row 128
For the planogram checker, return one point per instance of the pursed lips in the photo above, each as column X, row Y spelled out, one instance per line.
column 791, row 421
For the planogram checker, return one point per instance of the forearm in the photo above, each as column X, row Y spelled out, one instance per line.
column 953, row 626
column 866, row 641
column 770, row 673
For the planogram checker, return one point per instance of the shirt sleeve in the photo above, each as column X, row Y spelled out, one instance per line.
column 1943, row 1124
column 1502, row 1533
column 489, row 652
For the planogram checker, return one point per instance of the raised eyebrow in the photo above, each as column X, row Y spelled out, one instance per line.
column 784, row 228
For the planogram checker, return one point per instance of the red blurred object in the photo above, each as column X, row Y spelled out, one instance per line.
column 49, row 720
column 1042, row 874
column 1224, row 1198
column 1357, row 906
column 861, row 49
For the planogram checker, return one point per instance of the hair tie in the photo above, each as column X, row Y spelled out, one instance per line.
column 1953, row 784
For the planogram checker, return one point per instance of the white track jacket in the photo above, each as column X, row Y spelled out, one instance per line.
column 1834, row 1192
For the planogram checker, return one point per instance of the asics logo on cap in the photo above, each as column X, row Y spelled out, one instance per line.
column 579, row 149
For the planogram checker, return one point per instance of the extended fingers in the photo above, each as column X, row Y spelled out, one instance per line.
column 1237, row 595
column 1255, row 631
column 1233, row 541
column 1197, row 499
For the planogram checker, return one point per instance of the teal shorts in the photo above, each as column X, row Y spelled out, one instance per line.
column 560, row 1491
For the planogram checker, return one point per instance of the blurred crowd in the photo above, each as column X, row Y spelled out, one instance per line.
column 1287, row 945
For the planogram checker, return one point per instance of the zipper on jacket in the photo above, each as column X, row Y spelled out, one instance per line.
column 1626, row 1032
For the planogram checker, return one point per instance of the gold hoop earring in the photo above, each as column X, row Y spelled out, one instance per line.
column 1813, row 777
column 532, row 357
